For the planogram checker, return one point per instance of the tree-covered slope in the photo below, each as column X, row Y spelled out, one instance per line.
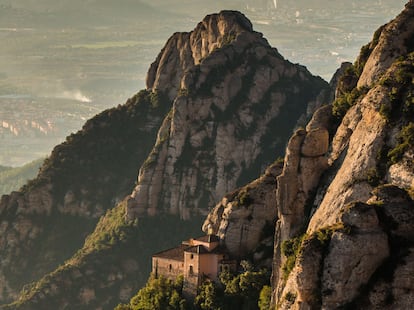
column 47, row 220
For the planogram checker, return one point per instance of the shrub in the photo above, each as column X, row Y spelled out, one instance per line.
column 264, row 298
column 158, row 294
column 405, row 141
column 343, row 103
column 290, row 297
column 291, row 250
column 373, row 177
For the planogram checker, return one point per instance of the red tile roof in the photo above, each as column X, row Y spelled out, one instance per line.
column 176, row 253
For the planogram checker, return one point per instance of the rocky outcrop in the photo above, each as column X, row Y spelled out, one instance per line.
column 393, row 40
column 354, row 260
column 358, row 140
column 355, row 238
column 297, row 183
column 183, row 51
column 234, row 95
column 246, row 217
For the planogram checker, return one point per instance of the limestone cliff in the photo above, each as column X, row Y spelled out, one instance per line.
column 344, row 231
column 235, row 101
column 244, row 219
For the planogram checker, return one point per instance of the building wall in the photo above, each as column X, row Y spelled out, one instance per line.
column 191, row 274
column 209, row 265
column 168, row 268
column 209, row 245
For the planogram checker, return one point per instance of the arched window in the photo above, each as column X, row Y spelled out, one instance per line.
column 170, row 267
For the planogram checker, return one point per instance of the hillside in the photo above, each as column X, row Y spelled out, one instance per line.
column 47, row 220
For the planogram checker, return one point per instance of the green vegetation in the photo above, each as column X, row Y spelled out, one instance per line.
column 208, row 296
column 243, row 198
column 400, row 86
column 112, row 229
column 366, row 51
column 264, row 297
column 242, row 291
column 248, row 290
column 116, row 255
column 158, row 293
column 100, row 159
column 280, row 160
column 343, row 103
column 291, row 250
column 111, row 234
column 405, row 142
column 373, row 177
column 324, row 235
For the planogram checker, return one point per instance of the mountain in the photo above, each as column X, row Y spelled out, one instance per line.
column 219, row 106
column 233, row 93
column 344, row 236
column 342, row 197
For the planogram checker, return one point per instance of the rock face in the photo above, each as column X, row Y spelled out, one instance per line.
column 232, row 92
column 184, row 51
column 346, row 196
column 393, row 40
column 241, row 218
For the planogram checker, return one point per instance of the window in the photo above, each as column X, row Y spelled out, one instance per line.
column 192, row 256
column 170, row 268
column 191, row 271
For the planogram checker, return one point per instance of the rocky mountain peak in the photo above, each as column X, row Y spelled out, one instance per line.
column 231, row 92
column 184, row 50
column 390, row 42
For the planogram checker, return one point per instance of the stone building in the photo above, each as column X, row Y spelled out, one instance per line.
column 195, row 259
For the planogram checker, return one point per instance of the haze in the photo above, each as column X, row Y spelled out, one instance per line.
column 61, row 62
